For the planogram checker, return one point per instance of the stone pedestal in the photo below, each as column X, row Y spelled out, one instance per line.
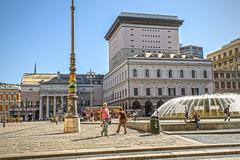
column 72, row 125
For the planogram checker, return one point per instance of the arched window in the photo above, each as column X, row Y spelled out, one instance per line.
column 193, row 74
column 159, row 73
column 134, row 73
column 170, row 74
column 204, row 74
column 146, row 73
column 181, row 74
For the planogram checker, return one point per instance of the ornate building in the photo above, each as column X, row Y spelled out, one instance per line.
column 48, row 95
column 10, row 99
column 227, row 67
column 146, row 81
column 146, row 67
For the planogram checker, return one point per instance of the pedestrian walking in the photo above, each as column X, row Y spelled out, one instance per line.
column 122, row 121
column 227, row 113
column 104, row 118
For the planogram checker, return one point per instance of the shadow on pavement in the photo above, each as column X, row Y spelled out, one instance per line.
column 93, row 137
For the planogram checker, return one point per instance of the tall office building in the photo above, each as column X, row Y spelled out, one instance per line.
column 195, row 51
column 135, row 33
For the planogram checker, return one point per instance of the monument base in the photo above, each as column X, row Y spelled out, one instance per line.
column 72, row 125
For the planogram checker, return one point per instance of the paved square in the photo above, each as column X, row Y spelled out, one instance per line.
column 32, row 137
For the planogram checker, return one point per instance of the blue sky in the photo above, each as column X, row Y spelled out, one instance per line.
column 39, row 30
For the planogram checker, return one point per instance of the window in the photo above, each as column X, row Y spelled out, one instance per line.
column 171, row 91
column 181, row 74
column 206, row 90
column 170, row 73
column 224, row 54
column 134, row 73
column 183, row 92
column 216, row 85
column 148, row 92
column 233, row 85
column 236, row 50
column 230, row 52
column 204, row 74
column 159, row 91
column 125, row 92
column 169, row 36
column 158, row 73
column 228, row 85
column 132, row 34
column 135, row 91
column 221, row 75
column 147, row 73
column 223, row 85
column 195, row 91
column 193, row 74
column 227, row 75
column 132, row 40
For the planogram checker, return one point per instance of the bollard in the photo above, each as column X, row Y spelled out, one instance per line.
column 154, row 125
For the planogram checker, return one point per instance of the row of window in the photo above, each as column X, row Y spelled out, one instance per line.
column 154, row 47
column 226, row 75
column 117, row 95
column 151, row 30
column 170, row 73
column 9, row 97
column 228, row 62
column 224, row 54
column 227, row 85
column 117, row 78
column 171, row 91
column 149, row 41
column 144, row 35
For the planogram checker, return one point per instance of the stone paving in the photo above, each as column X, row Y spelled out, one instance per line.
column 32, row 137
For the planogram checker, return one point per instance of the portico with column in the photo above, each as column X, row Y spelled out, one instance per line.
column 51, row 103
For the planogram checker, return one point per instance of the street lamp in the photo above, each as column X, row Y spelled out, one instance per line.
column 91, row 75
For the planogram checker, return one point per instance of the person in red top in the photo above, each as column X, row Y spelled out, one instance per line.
column 104, row 118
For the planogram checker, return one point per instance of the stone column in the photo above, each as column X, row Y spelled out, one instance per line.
column 47, row 110
column 54, row 105
column 62, row 103
column 40, row 109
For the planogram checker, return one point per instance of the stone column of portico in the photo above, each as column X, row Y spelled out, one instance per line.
column 47, row 110
column 54, row 106
column 62, row 103
column 40, row 109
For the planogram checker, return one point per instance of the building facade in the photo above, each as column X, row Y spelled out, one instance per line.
column 146, row 81
column 195, row 51
column 10, row 101
column 146, row 67
column 226, row 63
column 134, row 33
column 48, row 96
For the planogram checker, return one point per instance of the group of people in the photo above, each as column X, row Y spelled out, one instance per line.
column 196, row 117
column 105, row 120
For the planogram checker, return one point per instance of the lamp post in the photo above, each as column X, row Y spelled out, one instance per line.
column 91, row 75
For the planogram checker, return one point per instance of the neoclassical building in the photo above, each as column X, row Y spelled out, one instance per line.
column 45, row 94
column 226, row 63
column 146, row 67
column 146, row 81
